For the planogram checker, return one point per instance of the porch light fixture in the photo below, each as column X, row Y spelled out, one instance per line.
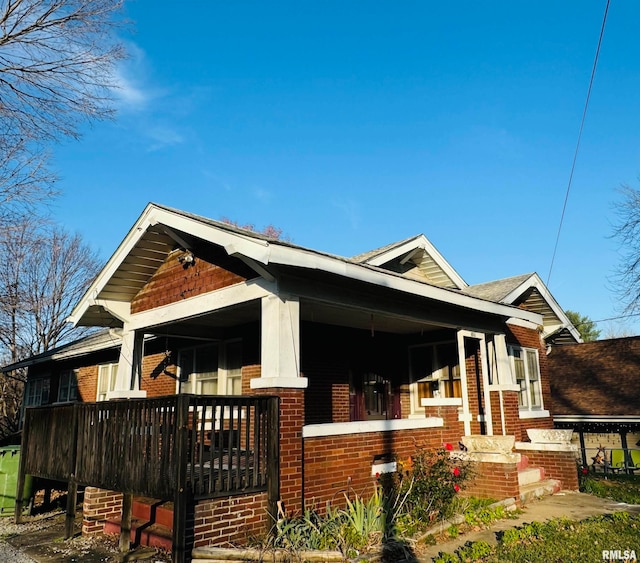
column 187, row 259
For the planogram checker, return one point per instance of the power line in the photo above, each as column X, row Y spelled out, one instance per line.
column 575, row 154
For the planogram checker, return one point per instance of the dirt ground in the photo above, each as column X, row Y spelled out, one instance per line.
column 41, row 538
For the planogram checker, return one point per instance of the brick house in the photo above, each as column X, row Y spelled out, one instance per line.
column 370, row 357
column 596, row 392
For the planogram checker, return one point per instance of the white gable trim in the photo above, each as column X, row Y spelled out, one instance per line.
column 535, row 281
column 419, row 243
column 266, row 253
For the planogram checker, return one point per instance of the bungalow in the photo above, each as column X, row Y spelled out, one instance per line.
column 367, row 358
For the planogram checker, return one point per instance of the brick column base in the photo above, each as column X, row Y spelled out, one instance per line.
column 99, row 505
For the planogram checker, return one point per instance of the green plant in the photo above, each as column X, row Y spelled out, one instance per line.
column 453, row 531
column 446, row 558
column 474, row 551
column 429, row 482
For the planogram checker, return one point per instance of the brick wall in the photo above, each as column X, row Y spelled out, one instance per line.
column 172, row 282
column 87, row 383
column 158, row 375
column 232, row 520
column 493, row 480
column 453, row 429
column 334, row 463
column 557, row 465
column 291, row 422
column 473, row 367
column 99, row 505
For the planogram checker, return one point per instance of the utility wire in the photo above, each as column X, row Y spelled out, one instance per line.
column 575, row 155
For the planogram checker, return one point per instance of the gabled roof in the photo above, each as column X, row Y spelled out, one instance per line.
column 529, row 292
column 596, row 378
column 100, row 340
column 416, row 258
column 159, row 230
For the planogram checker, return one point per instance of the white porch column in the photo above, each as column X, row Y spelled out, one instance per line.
column 280, row 346
column 484, row 367
column 465, row 416
column 129, row 368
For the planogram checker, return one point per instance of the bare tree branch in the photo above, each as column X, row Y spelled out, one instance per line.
column 57, row 70
column 627, row 231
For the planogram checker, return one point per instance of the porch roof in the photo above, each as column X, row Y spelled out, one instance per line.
column 160, row 230
column 101, row 340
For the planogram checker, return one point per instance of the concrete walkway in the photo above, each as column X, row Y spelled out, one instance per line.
column 568, row 504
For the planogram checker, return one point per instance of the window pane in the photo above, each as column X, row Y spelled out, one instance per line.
column 233, row 365
column 207, row 386
column 534, row 379
column 518, row 364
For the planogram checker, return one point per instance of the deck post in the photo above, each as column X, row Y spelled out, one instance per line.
column 21, row 468
column 72, row 487
column 125, row 522
column 72, row 501
column 181, row 497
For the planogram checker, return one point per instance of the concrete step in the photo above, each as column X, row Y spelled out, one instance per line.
column 540, row 489
column 153, row 510
column 143, row 533
column 530, row 475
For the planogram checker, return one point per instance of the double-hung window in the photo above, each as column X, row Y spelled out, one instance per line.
column 36, row 392
column 107, row 374
column 435, row 373
column 68, row 387
column 526, row 369
column 212, row 369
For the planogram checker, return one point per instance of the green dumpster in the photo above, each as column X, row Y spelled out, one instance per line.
column 9, row 465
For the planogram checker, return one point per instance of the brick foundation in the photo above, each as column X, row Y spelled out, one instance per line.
column 99, row 505
column 230, row 521
column 493, row 480
column 333, row 464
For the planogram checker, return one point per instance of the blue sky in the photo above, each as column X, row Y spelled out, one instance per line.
column 354, row 124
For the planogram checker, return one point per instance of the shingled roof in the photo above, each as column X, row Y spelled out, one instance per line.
column 600, row 378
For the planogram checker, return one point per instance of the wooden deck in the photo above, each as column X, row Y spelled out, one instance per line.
column 181, row 448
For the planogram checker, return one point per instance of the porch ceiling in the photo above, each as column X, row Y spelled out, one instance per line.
column 208, row 326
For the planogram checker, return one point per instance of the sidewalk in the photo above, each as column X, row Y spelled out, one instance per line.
column 569, row 504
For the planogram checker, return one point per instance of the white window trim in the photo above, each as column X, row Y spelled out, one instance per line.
column 528, row 411
column 416, row 407
column 112, row 379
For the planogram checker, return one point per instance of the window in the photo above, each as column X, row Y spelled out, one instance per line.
column 68, row 387
column 213, row 369
column 527, row 373
column 36, row 392
column 107, row 374
column 435, row 372
column 376, row 390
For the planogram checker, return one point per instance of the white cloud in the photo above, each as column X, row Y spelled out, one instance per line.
column 262, row 195
column 129, row 77
column 162, row 137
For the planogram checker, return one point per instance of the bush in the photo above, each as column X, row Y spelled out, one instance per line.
column 427, row 483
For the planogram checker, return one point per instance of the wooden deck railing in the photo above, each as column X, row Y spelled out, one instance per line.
column 178, row 448
column 132, row 445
